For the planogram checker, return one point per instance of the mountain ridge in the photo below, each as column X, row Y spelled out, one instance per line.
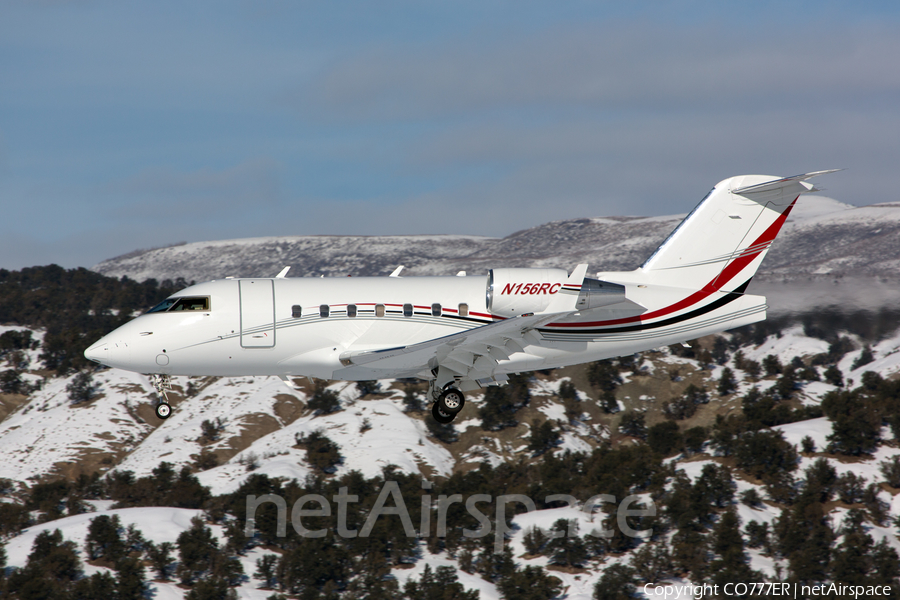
column 823, row 239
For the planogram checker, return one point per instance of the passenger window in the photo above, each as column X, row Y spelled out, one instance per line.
column 323, row 310
column 296, row 311
column 379, row 310
column 351, row 310
column 464, row 310
column 407, row 310
column 435, row 310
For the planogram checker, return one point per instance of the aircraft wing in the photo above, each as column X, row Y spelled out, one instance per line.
column 473, row 354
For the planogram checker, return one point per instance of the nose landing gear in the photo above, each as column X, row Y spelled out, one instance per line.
column 162, row 384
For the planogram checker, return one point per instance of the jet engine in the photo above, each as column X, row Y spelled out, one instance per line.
column 512, row 292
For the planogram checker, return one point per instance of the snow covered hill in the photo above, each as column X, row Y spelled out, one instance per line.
column 823, row 237
column 259, row 420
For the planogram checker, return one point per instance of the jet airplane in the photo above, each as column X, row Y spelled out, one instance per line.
column 466, row 332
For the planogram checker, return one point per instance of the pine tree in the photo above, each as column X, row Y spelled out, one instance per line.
column 652, row 562
column 104, row 538
column 732, row 563
column 633, row 424
column 440, row 584
column 771, row 365
column 265, row 570
column 727, row 383
column 566, row 550
column 324, row 401
column 321, row 453
column 535, row 540
column 850, row 487
column 571, row 402
column 530, row 583
column 616, row 583
column 160, row 558
column 412, row 401
column 664, row 438
column 196, row 550
column 130, row 582
column 544, row 437
column 82, row 388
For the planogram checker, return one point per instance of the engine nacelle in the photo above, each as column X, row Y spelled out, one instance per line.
column 512, row 292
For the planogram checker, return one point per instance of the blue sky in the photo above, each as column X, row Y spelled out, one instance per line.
column 129, row 125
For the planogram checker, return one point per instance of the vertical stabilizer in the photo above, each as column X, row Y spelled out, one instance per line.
column 722, row 242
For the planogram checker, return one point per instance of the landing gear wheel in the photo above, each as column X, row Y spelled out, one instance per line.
column 163, row 410
column 440, row 416
column 451, row 401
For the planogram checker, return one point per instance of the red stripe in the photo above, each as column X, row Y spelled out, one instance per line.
column 727, row 274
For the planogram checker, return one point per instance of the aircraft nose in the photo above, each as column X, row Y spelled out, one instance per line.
column 99, row 352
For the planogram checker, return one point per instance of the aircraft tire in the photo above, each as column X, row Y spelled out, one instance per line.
column 440, row 416
column 451, row 401
column 163, row 410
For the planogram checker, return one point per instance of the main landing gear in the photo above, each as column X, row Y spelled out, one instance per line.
column 448, row 404
column 162, row 384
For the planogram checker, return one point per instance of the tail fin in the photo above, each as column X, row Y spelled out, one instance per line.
column 722, row 242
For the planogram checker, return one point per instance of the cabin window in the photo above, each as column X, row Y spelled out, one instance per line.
column 464, row 310
column 323, row 310
column 379, row 310
column 296, row 311
column 407, row 310
column 351, row 310
column 197, row 303
column 435, row 310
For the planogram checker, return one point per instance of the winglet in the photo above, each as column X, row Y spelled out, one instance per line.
column 283, row 273
column 567, row 296
column 396, row 272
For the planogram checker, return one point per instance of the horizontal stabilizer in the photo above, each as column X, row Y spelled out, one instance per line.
column 781, row 183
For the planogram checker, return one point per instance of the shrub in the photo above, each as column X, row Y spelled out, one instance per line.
column 633, row 424
column 82, row 388
column 322, row 453
column 324, row 401
column 664, row 438
column 765, row 454
column 727, row 383
column 544, row 436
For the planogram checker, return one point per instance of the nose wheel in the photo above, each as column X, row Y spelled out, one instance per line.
column 163, row 410
column 162, row 384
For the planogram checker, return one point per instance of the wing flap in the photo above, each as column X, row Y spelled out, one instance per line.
column 474, row 353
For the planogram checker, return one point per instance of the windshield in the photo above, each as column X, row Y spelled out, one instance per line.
column 181, row 304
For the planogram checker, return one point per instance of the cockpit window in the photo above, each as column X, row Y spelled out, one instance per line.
column 164, row 305
column 182, row 304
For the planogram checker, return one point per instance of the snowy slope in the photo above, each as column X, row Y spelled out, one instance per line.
column 261, row 419
column 822, row 237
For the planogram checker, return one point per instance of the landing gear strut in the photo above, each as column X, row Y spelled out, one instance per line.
column 162, row 384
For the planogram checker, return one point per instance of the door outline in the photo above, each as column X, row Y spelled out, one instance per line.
column 255, row 295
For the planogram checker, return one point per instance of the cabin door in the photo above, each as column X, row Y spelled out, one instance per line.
column 257, row 313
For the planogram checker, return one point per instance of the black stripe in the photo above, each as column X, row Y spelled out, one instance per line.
column 726, row 299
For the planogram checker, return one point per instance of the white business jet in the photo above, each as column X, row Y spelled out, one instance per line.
column 463, row 333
